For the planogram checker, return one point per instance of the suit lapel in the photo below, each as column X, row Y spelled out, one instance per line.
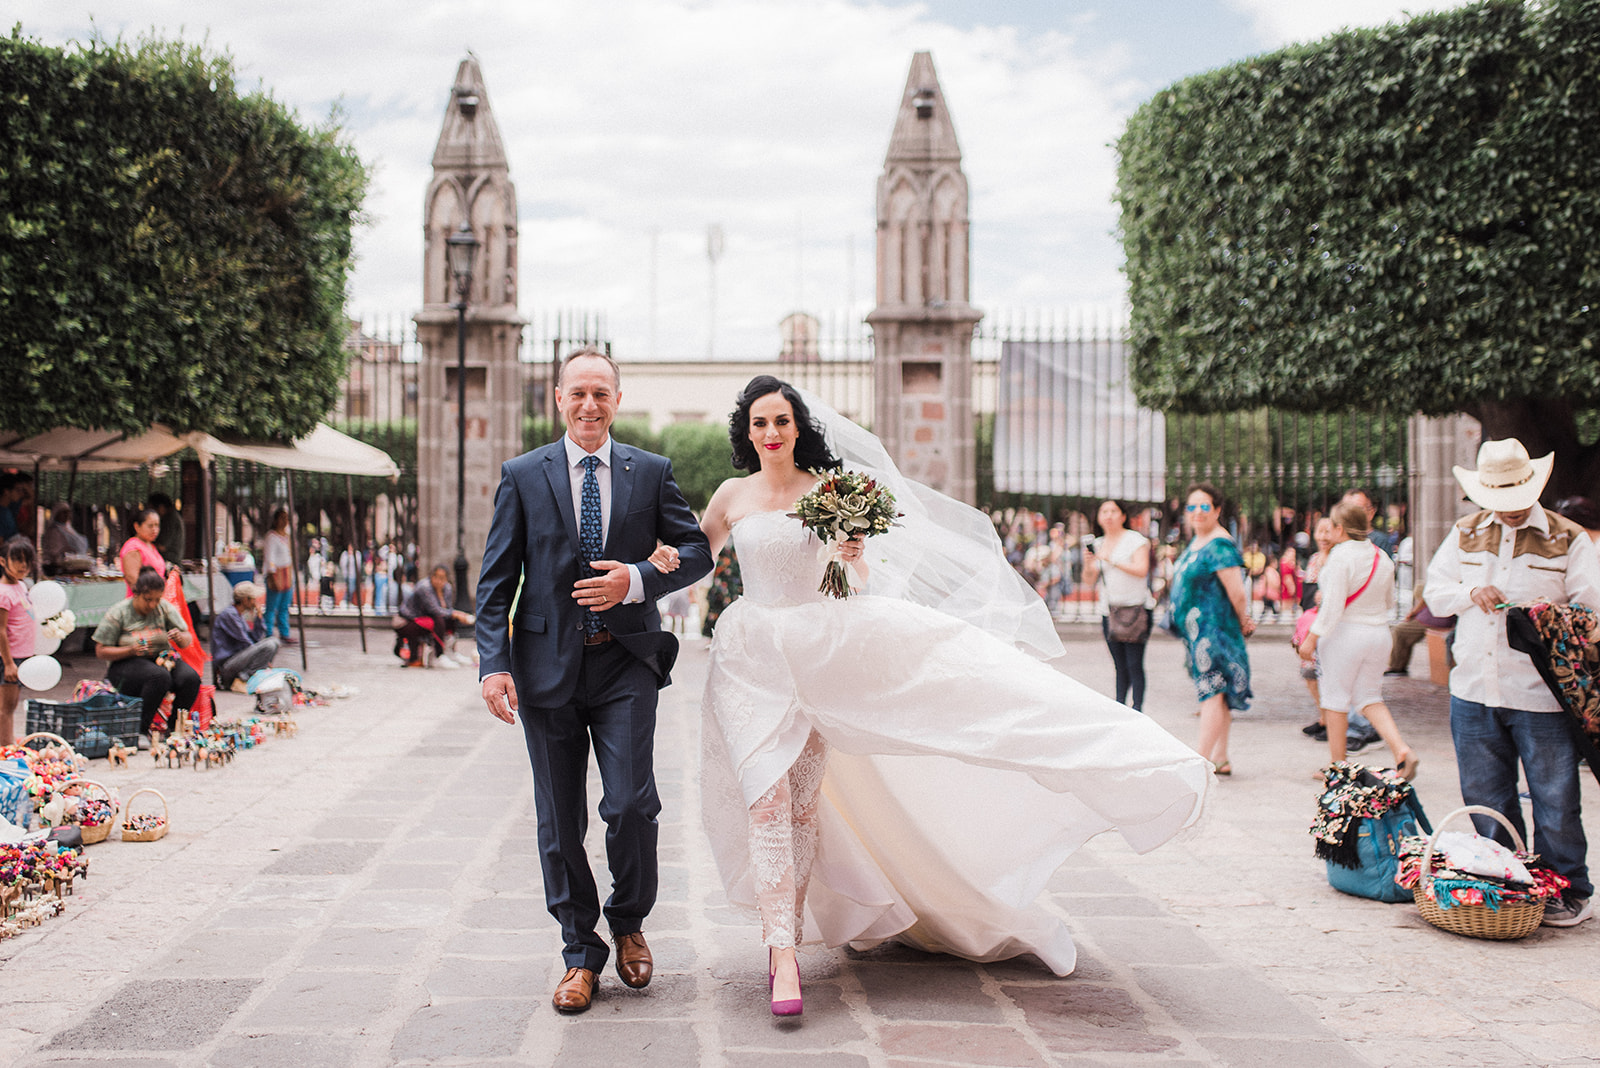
column 623, row 468
column 555, row 470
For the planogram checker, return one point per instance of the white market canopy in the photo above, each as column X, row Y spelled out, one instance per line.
column 324, row 449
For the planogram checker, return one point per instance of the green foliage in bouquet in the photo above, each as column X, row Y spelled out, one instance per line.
column 845, row 505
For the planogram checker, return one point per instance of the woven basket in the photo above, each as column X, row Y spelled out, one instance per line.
column 152, row 834
column 93, row 833
column 1515, row 919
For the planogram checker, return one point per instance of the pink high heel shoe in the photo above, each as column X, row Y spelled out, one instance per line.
column 788, row 1006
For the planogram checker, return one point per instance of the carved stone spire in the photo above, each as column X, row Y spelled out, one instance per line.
column 472, row 184
column 923, row 325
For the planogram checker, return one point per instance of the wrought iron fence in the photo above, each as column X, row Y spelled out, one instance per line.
column 1051, row 430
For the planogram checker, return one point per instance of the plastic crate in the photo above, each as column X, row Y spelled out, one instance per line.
column 89, row 725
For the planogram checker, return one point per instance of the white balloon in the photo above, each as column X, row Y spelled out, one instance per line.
column 48, row 599
column 39, row 672
column 44, row 644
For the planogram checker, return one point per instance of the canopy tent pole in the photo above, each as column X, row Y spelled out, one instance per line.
column 355, row 547
column 208, row 492
column 294, row 568
column 38, row 529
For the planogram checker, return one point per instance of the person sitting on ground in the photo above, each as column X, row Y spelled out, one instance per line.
column 240, row 644
column 61, row 542
column 1404, row 635
column 137, row 636
column 425, row 620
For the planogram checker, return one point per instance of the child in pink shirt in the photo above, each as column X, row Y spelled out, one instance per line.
column 16, row 627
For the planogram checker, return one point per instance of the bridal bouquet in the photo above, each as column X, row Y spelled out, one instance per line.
column 846, row 504
column 60, row 625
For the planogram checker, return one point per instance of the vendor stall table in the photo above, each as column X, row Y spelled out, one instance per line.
column 89, row 598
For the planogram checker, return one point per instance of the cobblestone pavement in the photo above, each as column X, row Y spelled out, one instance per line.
column 368, row 894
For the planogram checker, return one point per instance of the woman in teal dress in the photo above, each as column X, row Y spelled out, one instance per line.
column 1212, row 617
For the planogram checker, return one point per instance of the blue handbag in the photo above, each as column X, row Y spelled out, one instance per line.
column 1378, row 846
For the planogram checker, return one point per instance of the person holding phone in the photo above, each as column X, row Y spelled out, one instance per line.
column 137, row 638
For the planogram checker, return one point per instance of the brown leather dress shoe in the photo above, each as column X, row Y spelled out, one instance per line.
column 633, row 960
column 575, row 991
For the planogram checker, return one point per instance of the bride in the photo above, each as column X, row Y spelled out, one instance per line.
column 901, row 763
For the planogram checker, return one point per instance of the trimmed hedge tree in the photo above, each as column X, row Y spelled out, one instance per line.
column 171, row 250
column 1406, row 217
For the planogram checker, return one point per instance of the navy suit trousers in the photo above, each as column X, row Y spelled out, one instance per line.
column 614, row 707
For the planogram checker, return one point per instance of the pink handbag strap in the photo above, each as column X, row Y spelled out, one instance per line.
column 1376, row 552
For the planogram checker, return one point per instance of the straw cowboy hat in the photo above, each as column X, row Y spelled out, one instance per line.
column 1506, row 479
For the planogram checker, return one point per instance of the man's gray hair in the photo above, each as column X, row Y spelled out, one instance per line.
column 589, row 350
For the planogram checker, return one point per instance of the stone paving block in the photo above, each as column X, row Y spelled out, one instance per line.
column 353, row 828
column 743, row 1014
column 283, row 1051
column 524, row 845
column 588, row 1043
column 159, row 1014
column 480, row 1028
column 465, row 977
column 1150, row 941
column 362, row 948
column 223, row 952
column 544, row 944
column 457, row 851
column 336, row 1002
column 395, row 908
column 415, row 876
column 1463, row 1051
column 324, row 858
column 966, row 1044
column 1086, row 968
column 1073, row 879
column 503, row 913
column 798, row 1060
column 267, row 918
column 1277, row 1053
column 1105, row 905
column 293, row 889
column 667, row 918
column 673, row 954
column 440, row 750
column 667, row 996
column 1078, row 1017
column 46, row 1060
column 941, row 989
column 674, row 884
column 1226, row 1000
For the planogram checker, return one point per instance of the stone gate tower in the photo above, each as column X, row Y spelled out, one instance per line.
column 472, row 184
column 922, row 325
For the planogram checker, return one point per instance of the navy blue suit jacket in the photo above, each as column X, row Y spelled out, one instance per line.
column 533, row 541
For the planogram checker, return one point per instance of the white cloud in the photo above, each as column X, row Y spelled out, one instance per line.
column 769, row 117
column 1281, row 22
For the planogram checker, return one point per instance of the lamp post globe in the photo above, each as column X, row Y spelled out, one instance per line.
column 461, row 248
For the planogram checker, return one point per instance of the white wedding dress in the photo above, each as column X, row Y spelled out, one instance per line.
column 963, row 771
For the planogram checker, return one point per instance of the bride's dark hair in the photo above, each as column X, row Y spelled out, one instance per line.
column 810, row 448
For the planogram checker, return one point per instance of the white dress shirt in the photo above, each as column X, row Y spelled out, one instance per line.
column 602, row 475
column 1531, row 562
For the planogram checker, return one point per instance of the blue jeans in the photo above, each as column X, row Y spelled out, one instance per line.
column 1489, row 742
column 277, row 611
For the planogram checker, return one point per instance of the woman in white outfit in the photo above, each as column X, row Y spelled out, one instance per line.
column 894, row 764
column 1352, row 631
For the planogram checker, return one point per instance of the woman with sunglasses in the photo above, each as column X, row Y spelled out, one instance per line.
column 1213, row 619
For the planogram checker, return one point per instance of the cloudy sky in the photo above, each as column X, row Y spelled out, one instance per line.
column 634, row 124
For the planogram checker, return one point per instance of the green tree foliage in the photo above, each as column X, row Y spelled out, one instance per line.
column 171, row 249
column 1401, row 217
column 701, row 459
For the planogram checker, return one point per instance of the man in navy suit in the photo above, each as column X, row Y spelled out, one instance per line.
column 575, row 523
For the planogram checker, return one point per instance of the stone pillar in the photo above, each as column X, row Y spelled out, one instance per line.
column 1437, row 445
column 472, row 183
column 923, row 324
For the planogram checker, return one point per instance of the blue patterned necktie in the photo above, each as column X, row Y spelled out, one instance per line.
column 589, row 533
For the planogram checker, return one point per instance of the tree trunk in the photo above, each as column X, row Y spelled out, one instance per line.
column 1546, row 426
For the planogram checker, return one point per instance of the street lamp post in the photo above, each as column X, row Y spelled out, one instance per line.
column 462, row 248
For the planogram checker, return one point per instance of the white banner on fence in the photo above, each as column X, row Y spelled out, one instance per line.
column 1066, row 424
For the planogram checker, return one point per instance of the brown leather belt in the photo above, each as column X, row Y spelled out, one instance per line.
column 599, row 637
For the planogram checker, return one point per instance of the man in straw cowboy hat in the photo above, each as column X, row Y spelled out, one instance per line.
column 1514, row 551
